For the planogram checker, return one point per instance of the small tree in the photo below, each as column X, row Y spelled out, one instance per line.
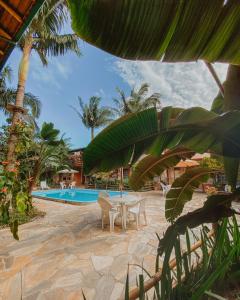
column 43, row 37
column 92, row 114
column 8, row 96
column 137, row 101
column 49, row 152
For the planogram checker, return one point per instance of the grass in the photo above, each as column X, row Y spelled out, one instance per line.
column 23, row 218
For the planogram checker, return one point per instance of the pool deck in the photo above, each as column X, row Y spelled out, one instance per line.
column 66, row 252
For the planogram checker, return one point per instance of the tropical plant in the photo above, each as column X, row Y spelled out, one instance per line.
column 44, row 37
column 8, row 96
column 36, row 152
column 167, row 31
column 211, row 162
column 14, row 198
column 169, row 136
column 199, row 271
column 137, row 101
column 161, row 30
column 49, row 152
column 92, row 114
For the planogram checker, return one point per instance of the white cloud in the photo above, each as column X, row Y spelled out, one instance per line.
column 100, row 93
column 180, row 84
column 64, row 69
column 52, row 74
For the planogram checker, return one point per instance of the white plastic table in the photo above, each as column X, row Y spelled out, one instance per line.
column 123, row 202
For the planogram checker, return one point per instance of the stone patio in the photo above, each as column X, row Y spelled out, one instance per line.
column 66, row 252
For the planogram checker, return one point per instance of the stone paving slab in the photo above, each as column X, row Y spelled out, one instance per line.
column 66, row 252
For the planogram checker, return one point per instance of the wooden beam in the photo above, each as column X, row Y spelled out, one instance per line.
column 5, row 34
column 215, row 76
column 150, row 283
column 11, row 11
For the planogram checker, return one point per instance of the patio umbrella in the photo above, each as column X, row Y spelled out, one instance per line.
column 66, row 171
column 187, row 163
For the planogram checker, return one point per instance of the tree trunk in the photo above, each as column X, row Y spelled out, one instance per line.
column 17, row 113
column 232, row 102
column 36, row 171
column 232, row 89
column 92, row 133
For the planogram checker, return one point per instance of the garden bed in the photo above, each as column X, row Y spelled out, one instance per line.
column 23, row 218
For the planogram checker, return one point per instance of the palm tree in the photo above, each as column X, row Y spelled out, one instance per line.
column 8, row 95
column 45, row 38
column 137, row 101
column 50, row 152
column 92, row 115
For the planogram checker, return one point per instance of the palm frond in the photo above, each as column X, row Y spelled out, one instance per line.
column 6, row 74
column 41, row 55
column 143, row 89
column 51, row 17
column 54, row 45
column 33, row 103
column 8, row 96
column 48, row 132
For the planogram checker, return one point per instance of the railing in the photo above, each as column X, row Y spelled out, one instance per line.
column 115, row 186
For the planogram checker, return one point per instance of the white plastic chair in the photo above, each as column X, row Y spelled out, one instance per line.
column 43, row 185
column 72, row 185
column 62, row 185
column 109, row 212
column 165, row 188
column 137, row 210
column 103, row 194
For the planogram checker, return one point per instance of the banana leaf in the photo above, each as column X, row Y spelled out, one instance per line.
column 125, row 140
column 218, row 134
column 231, row 166
column 172, row 31
column 182, row 190
column 190, row 220
column 214, row 209
column 218, row 104
column 122, row 142
column 150, row 166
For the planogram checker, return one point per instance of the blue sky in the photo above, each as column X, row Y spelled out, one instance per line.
column 65, row 78
column 98, row 73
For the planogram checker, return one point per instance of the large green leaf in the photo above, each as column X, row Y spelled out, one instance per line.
column 122, row 142
column 231, row 166
column 182, row 190
column 232, row 89
column 180, row 30
column 126, row 139
column 218, row 134
column 167, row 117
column 150, row 166
column 194, row 115
column 215, row 208
column 48, row 132
column 186, row 129
column 231, row 102
column 218, row 104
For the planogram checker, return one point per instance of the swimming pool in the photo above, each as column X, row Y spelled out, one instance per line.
column 73, row 195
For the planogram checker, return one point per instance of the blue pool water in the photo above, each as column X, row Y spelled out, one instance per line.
column 73, row 195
